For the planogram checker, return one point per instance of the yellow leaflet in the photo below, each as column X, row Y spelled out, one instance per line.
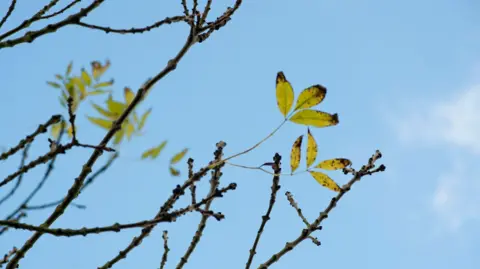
column 103, row 84
column 104, row 112
column 177, row 157
column 173, row 171
column 129, row 129
column 55, row 131
column 334, row 164
column 284, row 93
column 143, row 119
column 86, row 77
column 325, row 181
column 81, row 87
column 59, row 77
column 97, row 92
column 155, row 151
column 311, row 96
column 295, row 154
column 105, row 124
column 115, row 107
column 129, row 95
column 311, row 149
column 314, row 118
column 118, row 137
column 98, row 69
column 54, row 84
column 69, row 68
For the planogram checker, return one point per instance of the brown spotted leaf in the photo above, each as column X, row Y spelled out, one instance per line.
column 295, row 154
column 310, row 97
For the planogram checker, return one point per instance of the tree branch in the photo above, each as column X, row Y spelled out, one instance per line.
column 9, row 12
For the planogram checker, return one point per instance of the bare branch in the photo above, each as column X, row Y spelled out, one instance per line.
column 294, row 204
column 275, row 187
column 19, row 181
column 60, row 11
column 9, row 12
column 165, row 249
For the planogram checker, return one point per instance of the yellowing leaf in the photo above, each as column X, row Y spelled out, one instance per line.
column 295, row 154
column 118, row 137
column 54, row 84
column 104, row 112
column 70, row 130
column 86, row 77
column 177, row 157
column 103, row 84
column 105, row 124
column 129, row 95
column 129, row 129
column 154, row 152
column 334, row 164
column 115, row 107
column 143, row 119
column 97, row 92
column 325, row 181
column 98, row 69
column 284, row 92
column 80, row 86
column 55, row 130
column 311, row 149
column 311, row 96
column 59, row 77
column 173, row 171
column 314, row 118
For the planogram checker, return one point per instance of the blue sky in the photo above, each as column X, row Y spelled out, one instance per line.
column 403, row 76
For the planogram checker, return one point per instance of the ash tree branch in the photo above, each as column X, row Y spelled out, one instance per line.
column 275, row 187
column 165, row 249
column 214, row 182
column 368, row 169
column 9, row 12
column 20, row 178
column 60, row 11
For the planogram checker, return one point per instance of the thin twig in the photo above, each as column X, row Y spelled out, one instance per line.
column 9, row 12
column 273, row 195
column 42, row 128
column 13, row 219
column 20, row 178
column 60, row 11
column 214, row 182
column 165, row 249
column 365, row 170
column 7, row 256
column 190, row 174
column 168, row 20
column 294, row 204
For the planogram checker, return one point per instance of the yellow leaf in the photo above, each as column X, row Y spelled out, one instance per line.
column 129, row 129
column 295, row 154
column 104, row 112
column 97, row 92
column 118, row 137
column 103, row 84
column 105, row 124
column 143, row 119
column 86, row 77
column 69, row 69
column 55, row 130
column 325, row 181
column 311, row 149
column 54, row 84
column 98, row 69
column 115, row 107
column 311, row 96
column 154, row 152
column 314, row 118
column 70, row 130
column 135, row 117
column 173, row 171
column 334, row 164
column 129, row 95
column 284, row 93
column 81, row 87
column 177, row 157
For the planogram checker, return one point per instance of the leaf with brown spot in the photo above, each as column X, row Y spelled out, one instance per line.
column 296, row 154
column 334, row 164
column 325, row 181
column 311, row 149
column 314, row 118
column 310, row 97
column 285, row 95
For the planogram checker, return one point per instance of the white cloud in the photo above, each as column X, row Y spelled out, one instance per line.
column 455, row 122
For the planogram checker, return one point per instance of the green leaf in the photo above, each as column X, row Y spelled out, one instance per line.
column 59, row 77
column 178, row 157
column 69, row 69
column 144, row 119
column 173, row 171
column 105, row 124
column 86, row 78
column 314, row 118
column 285, row 95
column 155, row 151
column 325, row 181
column 54, row 84
column 310, row 97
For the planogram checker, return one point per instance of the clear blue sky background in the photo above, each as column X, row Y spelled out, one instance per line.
column 385, row 64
